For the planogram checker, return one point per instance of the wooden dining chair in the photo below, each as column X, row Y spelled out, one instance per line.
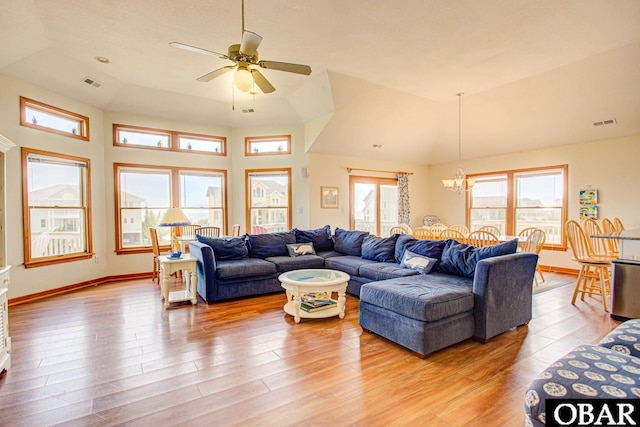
column 532, row 240
column 591, row 228
column 594, row 277
column 208, row 231
column 491, row 229
column 187, row 231
column 423, row 233
column 481, row 238
column 235, row 230
column 436, row 229
column 155, row 247
column 460, row 228
column 618, row 224
column 608, row 227
column 400, row 229
column 450, row 233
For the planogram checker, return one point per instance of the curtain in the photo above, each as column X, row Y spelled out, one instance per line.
column 404, row 209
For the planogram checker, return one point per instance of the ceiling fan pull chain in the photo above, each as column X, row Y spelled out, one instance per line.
column 242, row 16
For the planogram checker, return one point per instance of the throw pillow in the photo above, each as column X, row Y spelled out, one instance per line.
column 349, row 242
column 226, row 249
column 320, row 237
column 270, row 244
column 458, row 258
column 379, row 249
column 505, row 248
column 417, row 262
column 297, row 249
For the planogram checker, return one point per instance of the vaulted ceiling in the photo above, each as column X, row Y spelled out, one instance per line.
column 535, row 73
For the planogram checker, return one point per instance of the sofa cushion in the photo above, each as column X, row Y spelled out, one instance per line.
column 428, row 248
column 349, row 242
column 348, row 263
column 384, row 271
column 270, row 244
column 625, row 338
column 329, row 254
column 461, row 259
column 587, row 372
column 419, row 263
column 287, row 263
column 320, row 237
column 226, row 249
column 426, row 297
column 379, row 248
column 298, row 249
column 248, row 267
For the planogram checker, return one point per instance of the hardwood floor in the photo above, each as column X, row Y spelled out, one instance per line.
column 113, row 355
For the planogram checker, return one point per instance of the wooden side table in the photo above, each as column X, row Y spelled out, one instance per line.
column 168, row 266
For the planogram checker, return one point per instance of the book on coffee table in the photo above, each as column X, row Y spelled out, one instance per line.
column 313, row 308
column 316, row 299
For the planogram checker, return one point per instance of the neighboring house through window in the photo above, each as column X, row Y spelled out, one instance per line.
column 56, row 207
column 269, row 200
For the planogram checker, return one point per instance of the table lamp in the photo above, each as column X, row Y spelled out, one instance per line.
column 174, row 217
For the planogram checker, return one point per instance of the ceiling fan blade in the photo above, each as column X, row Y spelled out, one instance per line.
column 250, row 43
column 215, row 73
column 197, row 49
column 262, row 82
column 285, row 66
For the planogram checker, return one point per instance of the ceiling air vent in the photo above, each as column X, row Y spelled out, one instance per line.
column 606, row 122
column 248, row 110
column 92, row 82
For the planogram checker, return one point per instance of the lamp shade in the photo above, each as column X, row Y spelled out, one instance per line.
column 174, row 217
column 243, row 79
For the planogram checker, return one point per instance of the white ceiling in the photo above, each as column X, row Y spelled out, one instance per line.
column 535, row 73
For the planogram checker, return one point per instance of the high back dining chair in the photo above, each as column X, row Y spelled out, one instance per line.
column 460, row 228
column 491, row 229
column 436, row 229
column 481, row 238
column 595, row 271
column 235, row 230
column 187, row 232
column 208, row 231
column 450, row 233
column 592, row 228
column 155, row 247
column 423, row 233
column 533, row 240
column 608, row 227
column 618, row 224
column 400, row 229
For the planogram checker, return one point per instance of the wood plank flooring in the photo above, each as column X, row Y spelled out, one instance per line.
column 112, row 355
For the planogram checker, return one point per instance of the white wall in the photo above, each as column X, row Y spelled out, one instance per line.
column 34, row 280
column 331, row 171
column 610, row 166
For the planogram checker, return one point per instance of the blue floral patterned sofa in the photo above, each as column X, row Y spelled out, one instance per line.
column 609, row 370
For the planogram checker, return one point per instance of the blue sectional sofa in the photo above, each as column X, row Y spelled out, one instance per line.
column 422, row 294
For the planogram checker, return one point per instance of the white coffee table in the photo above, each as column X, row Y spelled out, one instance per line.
column 300, row 282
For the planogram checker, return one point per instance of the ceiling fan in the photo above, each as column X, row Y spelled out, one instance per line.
column 245, row 57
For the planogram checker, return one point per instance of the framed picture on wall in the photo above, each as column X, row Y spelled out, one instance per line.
column 328, row 197
column 588, row 212
column 588, row 197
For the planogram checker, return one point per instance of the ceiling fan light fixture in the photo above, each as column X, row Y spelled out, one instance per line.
column 243, row 79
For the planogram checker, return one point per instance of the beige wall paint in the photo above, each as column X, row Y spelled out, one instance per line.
column 33, row 280
column 327, row 170
column 610, row 166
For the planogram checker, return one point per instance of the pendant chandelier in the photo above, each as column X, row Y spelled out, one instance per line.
column 457, row 184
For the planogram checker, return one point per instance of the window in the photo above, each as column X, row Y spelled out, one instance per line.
column 38, row 115
column 268, row 200
column 267, row 145
column 373, row 204
column 144, row 193
column 158, row 139
column 515, row 200
column 56, row 208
